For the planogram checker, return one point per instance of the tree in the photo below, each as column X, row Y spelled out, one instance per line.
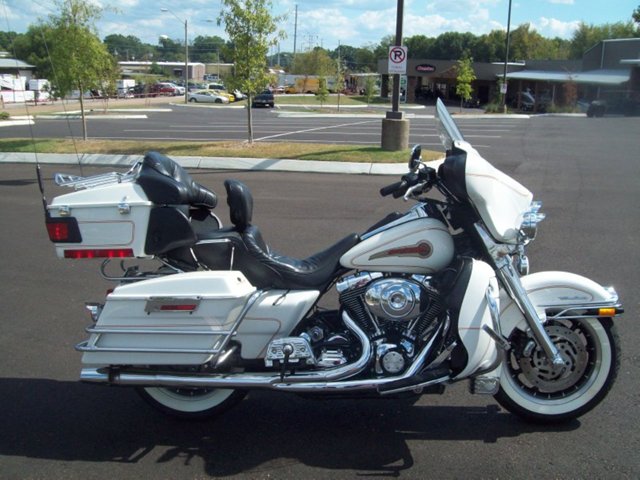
column 207, row 49
column 636, row 15
column 369, row 88
column 465, row 77
column 586, row 36
column 80, row 60
column 252, row 31
column 314, row 62
column 127, row 48
column 322, row 95
column 32, row 47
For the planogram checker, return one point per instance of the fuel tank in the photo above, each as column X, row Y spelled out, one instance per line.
column 408, row 245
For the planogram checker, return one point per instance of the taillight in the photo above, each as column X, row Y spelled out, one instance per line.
column 99, row 253
column 63, row 230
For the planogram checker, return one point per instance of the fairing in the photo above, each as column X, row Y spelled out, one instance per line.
column 499, row 199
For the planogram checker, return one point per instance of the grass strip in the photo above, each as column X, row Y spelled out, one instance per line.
column 275, row 150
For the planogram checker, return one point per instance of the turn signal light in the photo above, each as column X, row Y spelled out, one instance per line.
column 99, row 253
column 607, row 312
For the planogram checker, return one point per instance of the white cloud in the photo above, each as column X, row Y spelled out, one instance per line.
column 562, row 2
column 551, row 27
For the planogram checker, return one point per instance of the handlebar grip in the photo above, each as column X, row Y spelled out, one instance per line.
column 404, row 186
column 389, row 189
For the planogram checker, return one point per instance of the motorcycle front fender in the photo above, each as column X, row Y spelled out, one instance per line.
column 555, row 290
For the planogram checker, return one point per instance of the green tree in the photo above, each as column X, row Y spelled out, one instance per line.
column 322, row 95
column 465, row 76
column 6, row 41
column 80, row 60
column 636, row 15
column 252, row 30
column 207, row 49
column 32, row 47
column 314, row 62
column 127, row 48
column 370, row 89
column 419, row 46
column 586, row 36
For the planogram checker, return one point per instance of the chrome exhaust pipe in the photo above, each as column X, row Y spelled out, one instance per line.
column 335, row 380
column 252, row 380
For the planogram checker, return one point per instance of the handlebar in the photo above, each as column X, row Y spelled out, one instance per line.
column 422, row 180
column 393, row 189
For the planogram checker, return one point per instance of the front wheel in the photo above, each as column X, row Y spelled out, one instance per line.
column 536, row 390
column 191, row 403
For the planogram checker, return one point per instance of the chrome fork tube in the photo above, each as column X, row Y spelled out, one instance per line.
column 511, row 280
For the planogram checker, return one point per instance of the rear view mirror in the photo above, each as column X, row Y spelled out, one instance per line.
column 416, row 157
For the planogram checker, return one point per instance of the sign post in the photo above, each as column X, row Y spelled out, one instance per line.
column 395, row 128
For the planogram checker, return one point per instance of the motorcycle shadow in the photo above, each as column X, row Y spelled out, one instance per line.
column 69, row 421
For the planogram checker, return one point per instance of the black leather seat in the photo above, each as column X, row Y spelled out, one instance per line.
column 314, row 272
column 167, row 183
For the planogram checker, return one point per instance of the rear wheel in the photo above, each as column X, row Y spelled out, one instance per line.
column 536, row 390
column 193, row 403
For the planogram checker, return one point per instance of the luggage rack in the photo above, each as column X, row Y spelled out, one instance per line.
column 79, row 183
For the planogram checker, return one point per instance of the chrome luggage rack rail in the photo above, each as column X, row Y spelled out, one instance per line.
column 102, row 179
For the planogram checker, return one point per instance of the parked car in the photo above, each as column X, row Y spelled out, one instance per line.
column 597, row 108
column 224, row 93
column 264, row 99
column 167, row 88
column 527, row 102
column 207, row 96
column 239, row 95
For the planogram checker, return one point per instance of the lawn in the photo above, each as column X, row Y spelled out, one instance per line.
column 274, row 150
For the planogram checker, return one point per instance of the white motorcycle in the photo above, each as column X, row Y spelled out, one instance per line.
column 427, row 298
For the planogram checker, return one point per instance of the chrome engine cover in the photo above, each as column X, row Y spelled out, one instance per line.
column 393, row 299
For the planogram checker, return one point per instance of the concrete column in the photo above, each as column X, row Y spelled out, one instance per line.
column 395, row 132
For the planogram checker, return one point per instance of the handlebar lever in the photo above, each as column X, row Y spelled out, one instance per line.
column 410, row 190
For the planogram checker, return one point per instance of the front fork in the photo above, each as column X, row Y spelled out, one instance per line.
column 511, row 281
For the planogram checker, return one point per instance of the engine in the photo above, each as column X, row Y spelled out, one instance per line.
column 399, row 314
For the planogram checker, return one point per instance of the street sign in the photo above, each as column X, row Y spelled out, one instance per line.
column 397, row 60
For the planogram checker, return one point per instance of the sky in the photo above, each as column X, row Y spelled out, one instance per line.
column 329, row 23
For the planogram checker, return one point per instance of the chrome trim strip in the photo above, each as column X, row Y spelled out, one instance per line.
column 151, row 331
column 85, row 347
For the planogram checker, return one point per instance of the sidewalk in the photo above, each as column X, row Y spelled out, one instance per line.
column 213, row 163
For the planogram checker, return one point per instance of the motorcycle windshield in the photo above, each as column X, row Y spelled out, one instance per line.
column 446, row 127
column 499, row 199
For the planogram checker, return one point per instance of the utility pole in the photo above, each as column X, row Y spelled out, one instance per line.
column 295, row 34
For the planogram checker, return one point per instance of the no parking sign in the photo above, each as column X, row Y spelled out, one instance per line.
column 397, row 59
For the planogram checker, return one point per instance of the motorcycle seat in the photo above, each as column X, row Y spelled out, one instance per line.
column 167, row 183
column 263, row 266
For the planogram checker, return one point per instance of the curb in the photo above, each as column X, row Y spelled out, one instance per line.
column 213, row 163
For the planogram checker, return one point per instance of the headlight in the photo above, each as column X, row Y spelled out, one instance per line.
column 530, row 220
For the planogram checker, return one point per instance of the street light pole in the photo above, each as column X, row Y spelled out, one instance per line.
column 186, row 53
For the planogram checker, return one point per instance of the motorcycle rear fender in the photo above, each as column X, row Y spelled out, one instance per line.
column 553, row 289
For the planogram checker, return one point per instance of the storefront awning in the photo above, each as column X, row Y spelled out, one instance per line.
column 593, row 77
